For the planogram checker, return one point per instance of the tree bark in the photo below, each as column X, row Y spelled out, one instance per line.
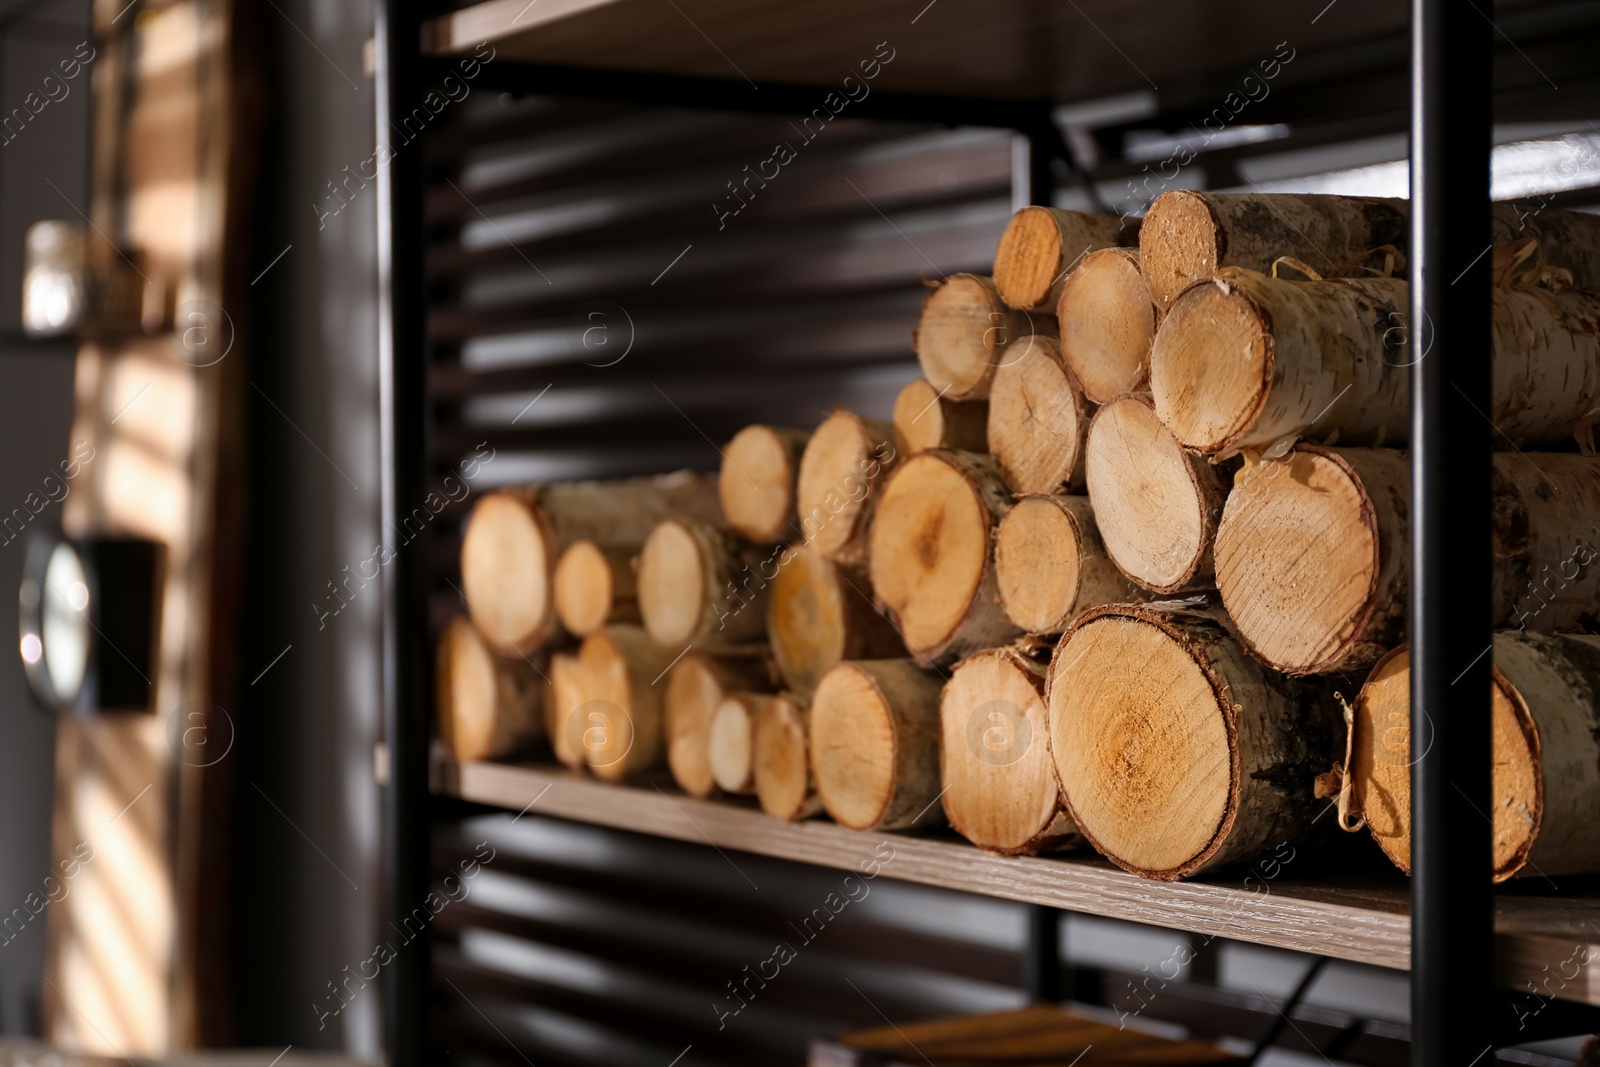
column 923, row 419
column 488, row 705
column 821, row 613
column 1177, row 753
column 1037, row 419
column 999, row 782
column 757, row 481
column 1040, row 245
column 932, row 564
column 1107, row 320
column 1050, row 564
column 875, row 745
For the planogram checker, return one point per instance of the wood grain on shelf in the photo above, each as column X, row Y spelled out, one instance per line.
column 997, row 49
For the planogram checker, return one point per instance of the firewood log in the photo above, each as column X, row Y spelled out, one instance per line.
column 784, row 782
column 1050, row 564
column 732, row 742
column 694, row 687
column 488, row 704
column 1037, row 419
column 595, row 585
column 756, row 484
column 1313, row 555
column 515, row 536
column 563, row 697
column 701, row 585
column 999, row 782
column 932, row 560
column 963, row 333
column 840, row 476
column 1041, row 244
column 1245, row 360
column 618, row 726
column 923, row 419
column 1108, row 323
column 1545, row 721
column 1156, row 503
column 1178, row 753
column 821, row 613
column 875, row 745
column 1188, row 235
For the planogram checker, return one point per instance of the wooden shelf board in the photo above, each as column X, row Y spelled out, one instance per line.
column 1552, row 942
column 993, row 49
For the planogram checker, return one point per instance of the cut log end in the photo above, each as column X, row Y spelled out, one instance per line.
column 1108, row 323
column 584, row 588
column 507, row 555
column 694, row 688
column 562, row 701
column 1144, row 742
column 756, row 483
column 1028, row 260
column 875, row 745
column 784, row 782
column 1156, row 505
column 488, row 705
column 807, row 619
column 618, row 725
column 1299, row 556
column 962, row 334
column 1211, row 366
column 843, row 462
column 1037, row 418
column 999, row 783
column 672, row 583
column 923, row 420
column 1180, row 243
column 1037, row 554
column 1380, row 766
column 732, row 742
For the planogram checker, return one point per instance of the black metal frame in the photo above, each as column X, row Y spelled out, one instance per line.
column 1454, row 1017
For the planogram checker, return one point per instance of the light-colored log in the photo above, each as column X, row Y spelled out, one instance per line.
column 1156, row 503
column 821, row 613
column 694, row 687
column 732, row 742
column 1050, row 563
column 963, row 334
column 701, row 585
column 840, row 477
column 923, row 419
column 1177, row 752
column 563, row 697
column 999, row 782
column 1037, row 419
column 595, row 585
column 932, row 561
column 1107, row 320
column 1545, row 721
column 875, row 745
column 757, row 480
column 618, row 727
column 488, row 704
column 515, row 536
column 1040, row 246
column 784, row 782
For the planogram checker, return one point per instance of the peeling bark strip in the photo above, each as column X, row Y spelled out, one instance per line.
column 695, row 687
column 1040, row 245
column 784, row 782
column 821, row 613
column 999, row 783
column 1246, row 360
column 1312, row 557
column 1546, row 755
column 1177, row 753
column 1037, row 418
column 1108, row 323
column 514, row 538
column 757, row 480
column 488, row 705
column 875, row 745
column 932, row 562
column 1050, row 563
column 1156, row 503
column 923, row 419
column 963, row 333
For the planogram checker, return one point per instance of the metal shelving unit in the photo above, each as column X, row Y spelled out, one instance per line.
column 1007, row 65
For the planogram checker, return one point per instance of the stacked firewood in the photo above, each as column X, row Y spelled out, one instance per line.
column 1105, row 578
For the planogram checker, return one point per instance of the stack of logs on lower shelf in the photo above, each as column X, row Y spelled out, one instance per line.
column 1107, row 576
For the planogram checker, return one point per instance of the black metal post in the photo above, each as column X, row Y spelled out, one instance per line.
column 397, row 26
column 1452, row 966
column 1041, row 955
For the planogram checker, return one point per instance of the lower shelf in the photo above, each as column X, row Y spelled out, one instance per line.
column 1547, row 944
